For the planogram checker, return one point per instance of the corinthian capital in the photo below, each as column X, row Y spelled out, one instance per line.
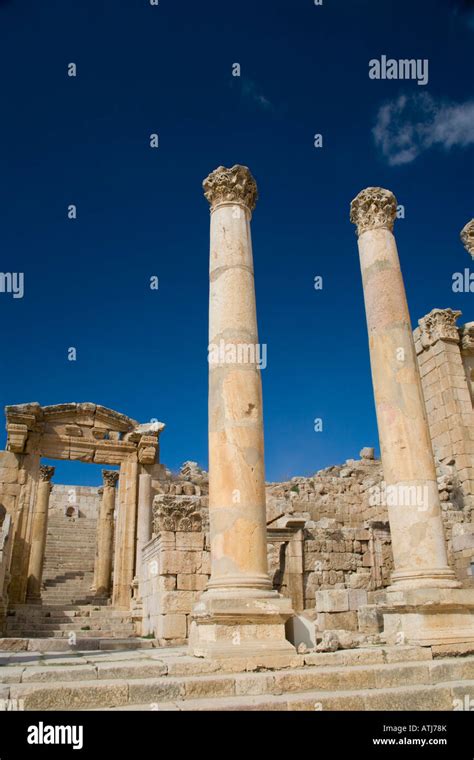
column 439, row 324
column 467, row 338
column 235, row 185
column 374, row 207
column 467, row 237
column 46, row 472
column 110, row 477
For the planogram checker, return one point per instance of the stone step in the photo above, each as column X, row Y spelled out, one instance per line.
column 39, row 648
column 188, row 685
column 59, row 617
column 45, row 631
column 408, row 698
column 107, row 633
column 44, row 608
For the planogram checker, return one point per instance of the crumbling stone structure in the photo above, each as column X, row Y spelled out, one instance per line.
column 224, row 560
column 85, row 432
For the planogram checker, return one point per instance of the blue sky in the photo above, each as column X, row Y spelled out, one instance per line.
column 84, row 140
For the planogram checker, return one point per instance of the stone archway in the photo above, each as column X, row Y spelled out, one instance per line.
column 78, row 431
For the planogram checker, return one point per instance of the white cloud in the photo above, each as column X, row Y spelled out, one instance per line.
column 251, row 91
column 412, row 124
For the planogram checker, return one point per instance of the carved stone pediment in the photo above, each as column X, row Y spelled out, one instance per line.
column 81, row 431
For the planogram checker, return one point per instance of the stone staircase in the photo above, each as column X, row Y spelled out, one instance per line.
column 68, row 570
column 373, row 678
column 68, row 606
column 59, row 621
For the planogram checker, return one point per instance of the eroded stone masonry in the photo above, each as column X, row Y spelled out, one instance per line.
column 359, row 553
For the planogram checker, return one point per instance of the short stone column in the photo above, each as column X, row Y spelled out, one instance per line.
column 239, row 612
column 105, row 534
column 39, row 532
column 422, row 577
column 144, row 519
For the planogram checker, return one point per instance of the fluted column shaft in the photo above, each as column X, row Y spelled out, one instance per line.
column 418, row 541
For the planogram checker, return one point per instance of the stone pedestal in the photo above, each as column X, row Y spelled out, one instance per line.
column 429, row 617
column 418, row 541
column 38, row 534
column 239, row 612
column 240, row 626
column 105, row 534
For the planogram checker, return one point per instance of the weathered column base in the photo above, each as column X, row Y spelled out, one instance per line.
column 406, row 580
column 33, row 599
column 225, row 625
column 429, row 616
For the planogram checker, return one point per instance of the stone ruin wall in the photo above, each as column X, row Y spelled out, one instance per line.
column 75, row 501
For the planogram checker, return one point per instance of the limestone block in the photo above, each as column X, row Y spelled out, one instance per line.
column 336, row 600
column 188, row 582
column 8, row 474
column 167, row 582
column 357, row 598
column 330, row 621
column 13, row 645
column 205, row 568
column 61, row 696
column 177, row 601
column 9, row 459
column 190, row 540
column 171, row 626
column 174, row 562
column 370, row 619
column 11, row 489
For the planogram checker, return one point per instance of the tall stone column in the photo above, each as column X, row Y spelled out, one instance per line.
column 239, row 612
column 105, row 534
column 125, row 539
column 421, row 576
column 144, row 518
column 38, row 532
